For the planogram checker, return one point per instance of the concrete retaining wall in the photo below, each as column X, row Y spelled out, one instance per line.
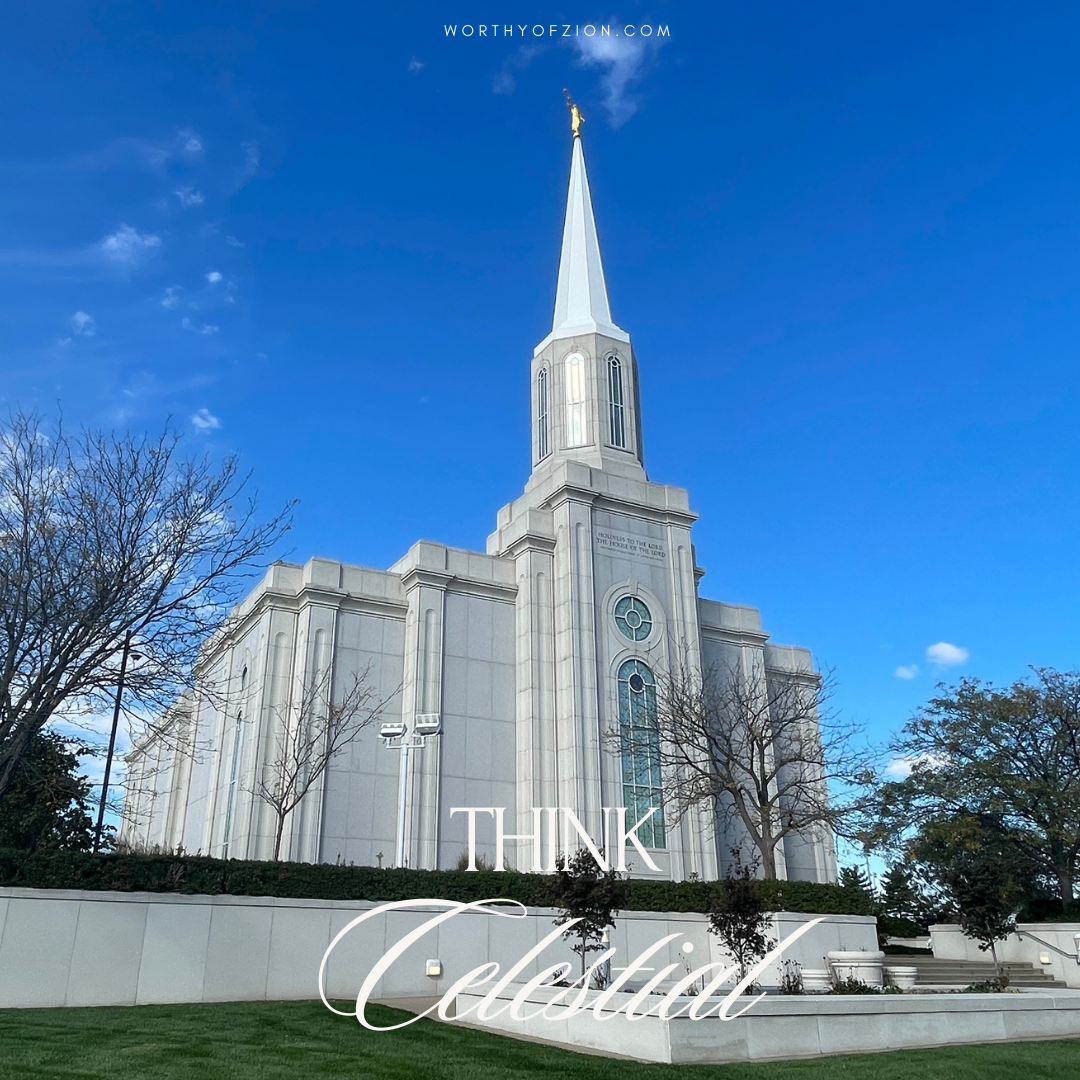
column 798, row 1027
column 61, row 947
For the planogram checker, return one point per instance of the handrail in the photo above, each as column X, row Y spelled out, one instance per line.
column 1049, row 944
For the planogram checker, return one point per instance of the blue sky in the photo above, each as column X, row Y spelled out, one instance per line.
column 844, row 238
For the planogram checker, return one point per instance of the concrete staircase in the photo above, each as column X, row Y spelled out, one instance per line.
column 941, row 972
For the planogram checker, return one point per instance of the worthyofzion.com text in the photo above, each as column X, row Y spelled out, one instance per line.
column 555, row 30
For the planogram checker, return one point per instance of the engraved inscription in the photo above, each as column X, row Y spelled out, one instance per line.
column 621, row 544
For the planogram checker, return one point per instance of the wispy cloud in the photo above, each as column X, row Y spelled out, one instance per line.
column 188, row 197
column 233, row 242
column 623, row 61
column 251, row 159
column 504, row 81
column 190, row 143
column 205, row 330
column 83, row 323
column 171, row 299
column 214, row 277
column 205, row 420
column 415, row 66
column 127, row 246
column 186, row 144
column 945, row 655
column 907, row 671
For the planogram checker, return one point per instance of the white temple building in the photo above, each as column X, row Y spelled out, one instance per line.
column 510, row 666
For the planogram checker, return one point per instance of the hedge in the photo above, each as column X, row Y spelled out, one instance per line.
column 326, row 881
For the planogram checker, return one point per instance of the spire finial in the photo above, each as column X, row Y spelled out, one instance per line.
column 576, row 119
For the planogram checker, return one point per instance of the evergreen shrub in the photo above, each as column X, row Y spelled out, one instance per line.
column 196, row 874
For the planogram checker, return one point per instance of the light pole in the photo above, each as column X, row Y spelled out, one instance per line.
column 397, row 736
column 112, row 739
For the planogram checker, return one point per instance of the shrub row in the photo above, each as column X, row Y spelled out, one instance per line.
column 325, row 881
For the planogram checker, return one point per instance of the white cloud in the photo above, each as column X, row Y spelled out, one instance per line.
column 188, row 196
column 907, row 671
column 191, row 142
column 945, row 655
column 624, row 61
column 415, row 66
column 213, row 277
column 233, row 242
column 205, row 420
column 84, row 324
column 171, row 299
column 127, row 246
column 205, row 330
column 902, row 766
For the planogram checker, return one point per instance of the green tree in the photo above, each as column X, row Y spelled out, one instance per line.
column 980, row 872
column 855, row 879
column 738, row 916
column 581, row 890
column 1011, row 757
column 45, row 806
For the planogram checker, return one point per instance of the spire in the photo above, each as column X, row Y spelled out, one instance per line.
column 581, row 301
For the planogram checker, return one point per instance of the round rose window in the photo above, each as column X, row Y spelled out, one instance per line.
column 633, row 618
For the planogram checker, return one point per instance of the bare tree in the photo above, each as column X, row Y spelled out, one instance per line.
column 308, row 734
column 104, row 536
column 759, row 749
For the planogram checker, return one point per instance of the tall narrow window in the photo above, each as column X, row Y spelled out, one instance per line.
column 542, row 414
column 575, row 400
column 642, row 788
column 233, row 771
column 616, row 415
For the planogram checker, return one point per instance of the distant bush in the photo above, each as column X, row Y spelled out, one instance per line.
column 195, row 874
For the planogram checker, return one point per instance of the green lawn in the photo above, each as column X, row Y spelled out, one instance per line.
column 296, row 1040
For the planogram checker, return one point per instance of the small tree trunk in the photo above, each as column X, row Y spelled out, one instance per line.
column 277, row 837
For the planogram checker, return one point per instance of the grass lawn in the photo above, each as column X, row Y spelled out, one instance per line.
column 268, row 1040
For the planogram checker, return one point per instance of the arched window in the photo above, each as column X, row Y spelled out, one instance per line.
column 640, row 751
column 542, row 447
column 575, row 400
column 616, row 415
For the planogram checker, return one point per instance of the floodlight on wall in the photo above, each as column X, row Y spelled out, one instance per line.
column 392, row 731
column 1076, row 942
column 1044, row 958
column 427, row 724
column 434, row 969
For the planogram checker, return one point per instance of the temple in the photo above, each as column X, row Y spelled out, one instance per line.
column 504, row 673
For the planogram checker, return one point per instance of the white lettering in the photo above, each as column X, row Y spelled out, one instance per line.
column 472, row 811
column 486, row 1009
column 631, row 835
column 501, row 836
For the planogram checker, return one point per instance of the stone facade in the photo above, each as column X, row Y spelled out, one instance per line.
column 519, row 656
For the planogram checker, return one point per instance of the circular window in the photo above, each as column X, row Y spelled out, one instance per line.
column 633, row 618
column 637, row 683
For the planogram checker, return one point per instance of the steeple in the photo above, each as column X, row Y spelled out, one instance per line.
column 584, row 374
column 581, row 300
